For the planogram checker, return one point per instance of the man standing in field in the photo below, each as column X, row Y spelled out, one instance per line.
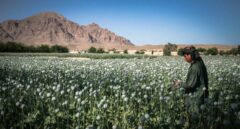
column 196, row 85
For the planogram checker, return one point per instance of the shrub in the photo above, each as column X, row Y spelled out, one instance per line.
column 58, row 48
column 100, row 50
column 238, row 49
column 221, row 52
column 168, row 48
column 233, row 51
column 20, row 47
column 201, row 50
column 125, row 51
column 43, row 48
column 212, row 51
column 92, row 50
column 140, row 52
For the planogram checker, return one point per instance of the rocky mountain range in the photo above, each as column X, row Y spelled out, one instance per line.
column 51, row 28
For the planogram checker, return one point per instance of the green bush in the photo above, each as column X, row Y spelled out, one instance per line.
column 125, row 51
column 166, row 52
column 92, row 50
column 95, row 50
column 233, row 51
column 58, row 48
column 168, row 48
column 100, row 50
column 221, row 52
column 20, row 47
column 238, row 49
column 140, row 52
column 43, row 48
column 201, row 50
column 212, row 51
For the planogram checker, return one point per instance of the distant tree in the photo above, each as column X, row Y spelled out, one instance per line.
column 212, row 51
column 117, row 52
column 100, row 50
column 221, row 52
column 140, row 52
column 58, row 48
column 2, row 47
column 228, row 52
column 201, row 50
column 233, row 51
column 55, row 48
column 171, row 46
column 14, row 47
column 125, row 51
column 20, row 47
column 113, row 50
column 166, row 52
column 238, row 49
column 43, row 48
column 92, row 50
column 168, row 48
column 31, row 49
column 10, row 47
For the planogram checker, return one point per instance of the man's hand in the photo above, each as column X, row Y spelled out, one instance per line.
column 177, row 83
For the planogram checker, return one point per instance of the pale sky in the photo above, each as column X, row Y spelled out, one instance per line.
column 144, row 21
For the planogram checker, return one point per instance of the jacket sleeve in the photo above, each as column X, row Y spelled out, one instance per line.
column 192, row 80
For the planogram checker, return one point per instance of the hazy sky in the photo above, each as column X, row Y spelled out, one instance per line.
column 144, row 21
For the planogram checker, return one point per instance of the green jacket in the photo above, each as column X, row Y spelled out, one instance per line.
column 197, row 79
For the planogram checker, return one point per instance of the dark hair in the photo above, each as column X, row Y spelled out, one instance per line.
column 191, row 50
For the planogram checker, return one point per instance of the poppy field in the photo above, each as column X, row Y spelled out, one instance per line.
column 59, row 93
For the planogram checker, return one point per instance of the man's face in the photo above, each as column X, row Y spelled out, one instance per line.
column 188, row 58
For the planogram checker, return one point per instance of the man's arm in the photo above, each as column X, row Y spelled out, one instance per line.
column 192, row 79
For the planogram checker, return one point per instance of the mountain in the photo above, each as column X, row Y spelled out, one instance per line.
column 51, row 28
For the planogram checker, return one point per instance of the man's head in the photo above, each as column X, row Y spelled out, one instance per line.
column 190, row 54
column 188, row 58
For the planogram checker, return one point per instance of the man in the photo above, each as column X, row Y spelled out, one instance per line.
column 196, row 85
